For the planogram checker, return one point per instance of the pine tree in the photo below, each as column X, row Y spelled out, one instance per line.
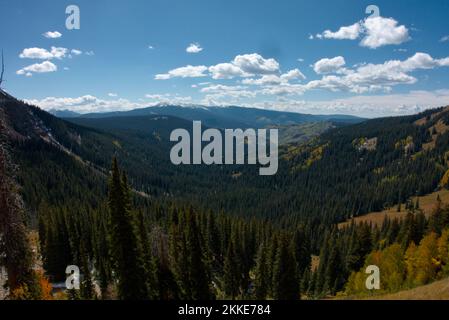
column 125, row 247
column 199, row 275
column 273, row 246
column 231, row 276
column 261, row 281
column 150, row 262
column 285, row 280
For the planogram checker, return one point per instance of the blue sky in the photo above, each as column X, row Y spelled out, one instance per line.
column 302, row 56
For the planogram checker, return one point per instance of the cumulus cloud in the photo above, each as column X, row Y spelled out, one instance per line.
column 379, row 77
column 39, row 53
column 52, row 34
column 43, row 67
column 226, row 71
column 76, row 52
column 376, row 32
column 383, row 31
column 349, row 32
column 112, row 94
column 293, row 75
column 194, row 48
column 183, row 72
column 245, row 65
column 327, row 65
column 256, row 64
column 272, row 79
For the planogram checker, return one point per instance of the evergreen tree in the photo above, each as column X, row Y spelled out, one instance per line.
column 231, row 278
column 125, row 247
column 261, row 281
column 285, row 280
column 198, row 274
column 150, row 261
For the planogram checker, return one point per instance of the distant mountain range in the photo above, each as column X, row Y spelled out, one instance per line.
column 220, row 117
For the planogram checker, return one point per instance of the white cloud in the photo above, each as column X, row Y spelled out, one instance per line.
column 76, row 52
column 284, row 89
column 39, row 53
column 293, row 75
column 194, row 48
column 245, row 65
column 183, row 72
column 376, row 32
column 242, row 66
column 383, row 31
column 269, row 79
column 327, row 65
column 90, row 53
column 272, row 79
column 112, row 94
column 52, row 34
column 225, row 71
column 256, row 64
column 379, row 77
column 150, row 47
column 350, row 32
column 444, row 39
column 43, row 67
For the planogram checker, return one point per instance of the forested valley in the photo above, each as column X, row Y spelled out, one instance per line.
column 107, row 199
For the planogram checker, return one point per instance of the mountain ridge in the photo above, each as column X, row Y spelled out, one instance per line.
column 223, row 117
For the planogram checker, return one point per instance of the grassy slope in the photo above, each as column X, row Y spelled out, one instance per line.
column 427, row 204
column 438, row 290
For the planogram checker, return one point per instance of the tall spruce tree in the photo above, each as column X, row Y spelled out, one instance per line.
column 199, row 275
column 231, row 278
column 285, row 279
column 261, row 281
column 125, row 247
column 150, row 260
